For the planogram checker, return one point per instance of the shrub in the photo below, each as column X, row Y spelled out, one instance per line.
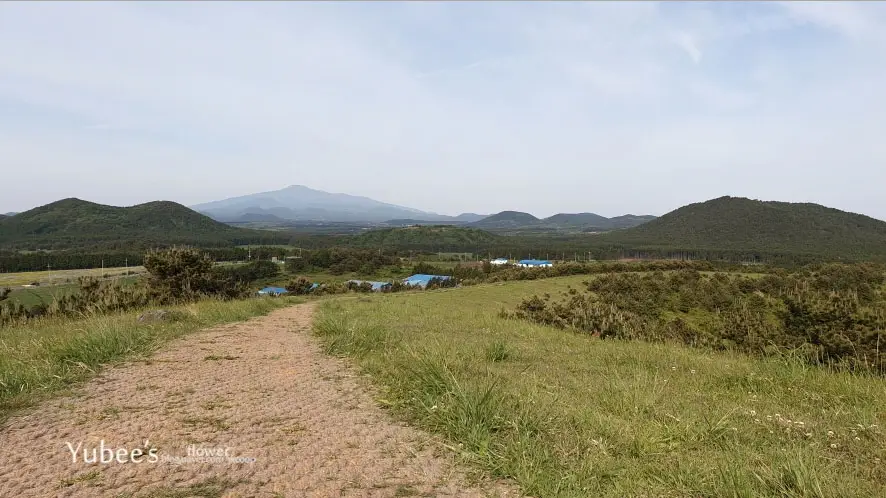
column 299, row 286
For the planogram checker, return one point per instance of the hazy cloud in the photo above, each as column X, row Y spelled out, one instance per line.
column 608, row 107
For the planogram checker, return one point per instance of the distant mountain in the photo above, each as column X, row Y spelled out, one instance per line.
column 507, row 219
column 77, row 223
column 257, row 217
column 11, row 213
column 517, row 221
column 735, row 223
column 470, row 217
column 629, row 220
column 298, row 202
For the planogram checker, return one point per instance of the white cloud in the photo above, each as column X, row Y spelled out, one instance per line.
column 687, row 42
column 545, row 107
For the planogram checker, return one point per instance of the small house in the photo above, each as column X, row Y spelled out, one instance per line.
column 499, row 261
column 272, row 291
column 534, row 263
column 422, row 280
column 376, row 286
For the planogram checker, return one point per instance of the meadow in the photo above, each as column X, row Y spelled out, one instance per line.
column 56, row 277
column 568, row 414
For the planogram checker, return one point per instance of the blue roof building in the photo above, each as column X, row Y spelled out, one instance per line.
column 534, row 263
column 273, row 291
column 421, row 280
column 376, row 286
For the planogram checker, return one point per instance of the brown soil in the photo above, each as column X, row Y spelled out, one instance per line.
column 263, row 389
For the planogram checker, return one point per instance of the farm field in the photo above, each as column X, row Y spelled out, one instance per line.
column 566, row 414
column 55, row 277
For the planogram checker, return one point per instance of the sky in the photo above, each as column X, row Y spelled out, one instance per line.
column 453, row 107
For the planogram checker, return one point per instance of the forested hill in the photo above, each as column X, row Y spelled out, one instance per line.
column 507, row 219
column 74, row 223
column 733, row 223
column 436, row 237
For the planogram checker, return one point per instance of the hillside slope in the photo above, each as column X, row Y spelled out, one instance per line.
column 506, row 219
column 76, row 223
column 423, row 237
column 576, row 220
column 733, row 223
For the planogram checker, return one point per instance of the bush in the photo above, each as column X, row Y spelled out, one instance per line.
column 299, row 286
column 830, row 315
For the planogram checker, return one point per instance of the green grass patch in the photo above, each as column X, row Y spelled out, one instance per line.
column 51, row 354
column 565, row 414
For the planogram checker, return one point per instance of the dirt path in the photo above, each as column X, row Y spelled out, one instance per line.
column 261, row 388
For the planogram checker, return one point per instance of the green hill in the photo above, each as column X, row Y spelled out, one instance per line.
column 740, row 224
column 424, row 237
column 74, row 223
column 629, row 220
column 507, row 219
column 577, row 220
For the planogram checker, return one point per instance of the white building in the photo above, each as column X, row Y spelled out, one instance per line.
column 499, row 261
column 534, row 263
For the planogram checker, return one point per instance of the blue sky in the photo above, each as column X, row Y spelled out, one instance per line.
column 447, row 107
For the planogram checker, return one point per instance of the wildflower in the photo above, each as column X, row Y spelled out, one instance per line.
column 673, row 368
column 830, row 433
column 876, row 460
column 434, row 407
column 833, row 445
column 756, row 421
column 753, row 412
column 692, row 372
column 768, row 417
column 808, row 434
column 857, row 438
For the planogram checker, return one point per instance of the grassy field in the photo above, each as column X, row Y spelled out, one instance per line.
column 55, row 277
column 52, row 354
column 568, row 415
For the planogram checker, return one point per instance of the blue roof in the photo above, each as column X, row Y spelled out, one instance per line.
column 273, row 290
column 534, row 262
column 375, row 285
column 422, row 280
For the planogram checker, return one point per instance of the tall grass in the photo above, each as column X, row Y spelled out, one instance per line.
column 50, row 354
column 569, row 415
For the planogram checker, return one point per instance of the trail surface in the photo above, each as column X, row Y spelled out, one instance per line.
column 262, row 389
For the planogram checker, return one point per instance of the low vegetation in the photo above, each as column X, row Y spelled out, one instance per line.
column 568, row 414
column 832, row 314
column 174, row 276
